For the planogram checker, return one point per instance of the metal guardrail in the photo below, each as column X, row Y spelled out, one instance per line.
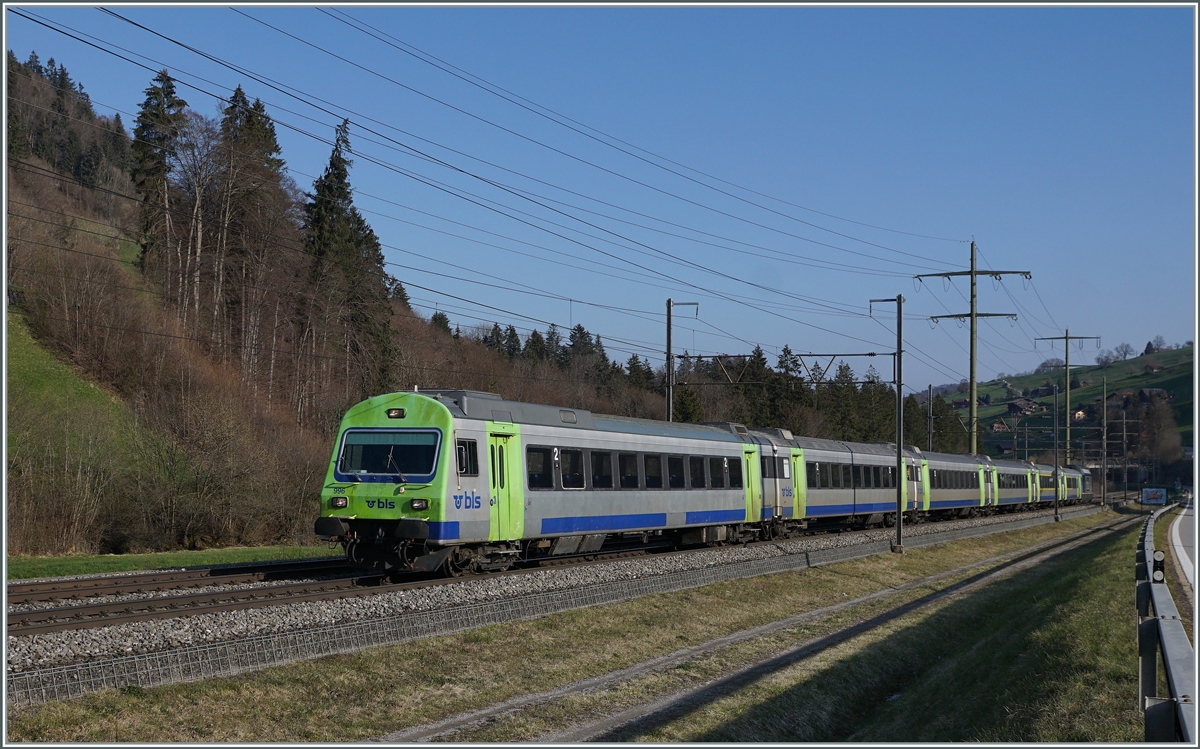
column 228, row 658
column 1170, row 718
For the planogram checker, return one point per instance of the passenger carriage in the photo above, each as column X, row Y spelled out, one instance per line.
column 466, row 481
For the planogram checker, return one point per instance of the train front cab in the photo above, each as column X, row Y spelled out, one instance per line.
column 387, row 478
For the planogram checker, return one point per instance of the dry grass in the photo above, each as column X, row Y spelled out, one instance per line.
column 376, row 692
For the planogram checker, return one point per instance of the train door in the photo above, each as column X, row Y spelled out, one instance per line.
column 771, row 476
column 989, row 486
column 754, row 485
column 799, row 485
column 776, row 475
column 913, row 490
column 504, row 482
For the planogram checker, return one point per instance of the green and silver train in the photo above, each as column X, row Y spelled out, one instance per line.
column 465, row 481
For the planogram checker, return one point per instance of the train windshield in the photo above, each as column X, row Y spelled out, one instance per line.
column 389, row 453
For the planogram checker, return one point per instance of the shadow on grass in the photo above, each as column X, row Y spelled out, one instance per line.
column 979, row 666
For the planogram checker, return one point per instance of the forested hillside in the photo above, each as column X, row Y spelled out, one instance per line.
column 236, row 314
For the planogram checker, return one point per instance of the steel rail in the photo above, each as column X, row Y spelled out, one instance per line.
column 144, row 582
column 1159, row 630
column 238, row 655
column 109, row 613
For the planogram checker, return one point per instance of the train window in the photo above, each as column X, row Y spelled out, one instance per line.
column 858, row 479
column 492, row 475
column 696, row 472
column 826, row 469
column 875, row 476
column 602, row 470
column 675, row 477
column 768, row 468
column 654, row 472
column 539, row 467
column 716, row 473
column 887, row 477
column 571, row 464
column 500, row 460
column 468, row 458
column 389, row 453
column 811, row 469
column 735, row 472
column 627, row 463
column 787, row 467
column 835, row 479
column 847, row 476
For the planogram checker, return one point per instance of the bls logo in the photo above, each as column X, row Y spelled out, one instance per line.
column 381, row 504
column 468, row 501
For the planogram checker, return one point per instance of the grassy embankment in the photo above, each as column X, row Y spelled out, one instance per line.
column 1047, row 655
column 54, row 410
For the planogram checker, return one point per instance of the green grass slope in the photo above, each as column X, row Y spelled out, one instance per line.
column 1175, row 378
column 37, row 375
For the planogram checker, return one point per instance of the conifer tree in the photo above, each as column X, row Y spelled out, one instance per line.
column 512, row 342
column 440, row 321
column 554, row 344
column 156, row 139
column 535, row 347
column 347, row 268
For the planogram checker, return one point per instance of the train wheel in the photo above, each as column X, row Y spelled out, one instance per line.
column 459, row 564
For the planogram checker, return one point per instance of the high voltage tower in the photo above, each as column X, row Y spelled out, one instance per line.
column 1066, row 338
column 974, row 315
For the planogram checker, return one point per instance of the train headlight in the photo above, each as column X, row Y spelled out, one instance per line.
column 337, row 502
column 395, row 413
column 420, row 504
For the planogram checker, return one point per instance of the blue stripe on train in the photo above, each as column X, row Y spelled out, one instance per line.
column 604, row 522
column 943, row 504
column 769, row 512
column 815, row 510
column 439, row 531
column 715, row 516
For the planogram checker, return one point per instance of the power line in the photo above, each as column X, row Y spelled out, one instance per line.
column 753, row 306
column 606, row 135
column 468, row 197
column 561, row 152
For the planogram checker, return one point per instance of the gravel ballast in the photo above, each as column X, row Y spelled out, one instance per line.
column 61, row 648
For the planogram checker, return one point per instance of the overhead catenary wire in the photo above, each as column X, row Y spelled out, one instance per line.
column 606, row 135
column 438, row 186
column 756, row 307
column 303, row 98
column 563, row 153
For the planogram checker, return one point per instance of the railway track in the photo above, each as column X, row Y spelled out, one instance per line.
column 86, row 615
column 148, row 582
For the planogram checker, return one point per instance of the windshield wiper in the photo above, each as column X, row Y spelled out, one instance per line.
column 392, row 462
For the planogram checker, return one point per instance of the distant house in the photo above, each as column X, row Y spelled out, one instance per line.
column 1079, row 414
column 999, row 426
column 1152, row 368
column 1023, row 406
column 1146, row 394
column 1119, row 399
column 962, row 403
column 1041, row 392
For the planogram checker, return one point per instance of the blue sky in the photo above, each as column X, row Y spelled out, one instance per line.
column 855, row 147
